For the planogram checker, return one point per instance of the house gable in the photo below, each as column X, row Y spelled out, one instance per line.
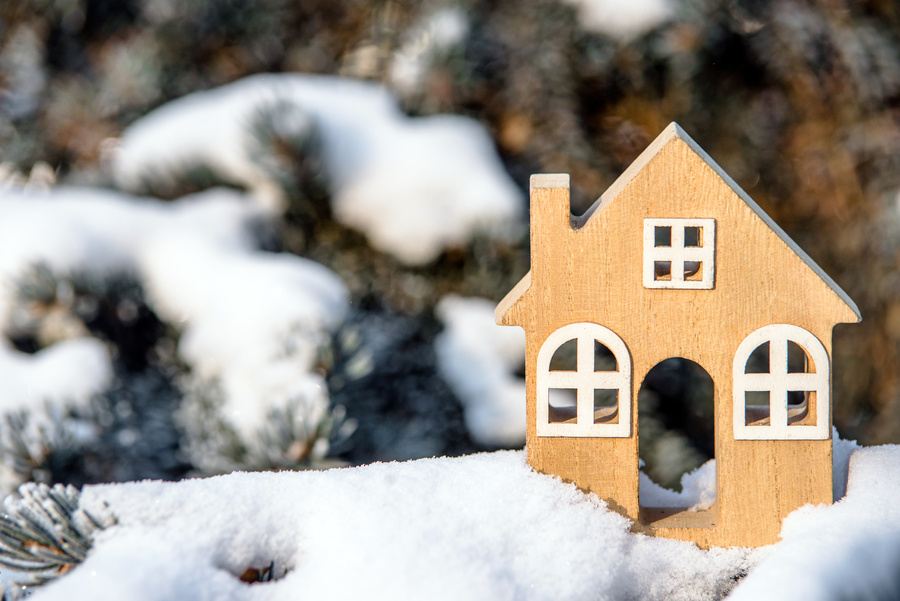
column 662, row 176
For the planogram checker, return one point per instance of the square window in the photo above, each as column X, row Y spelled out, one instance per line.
column 606, row 406
column 692, row 236
column 561, row 406
column 693, row 271
column 662, row 236
column 757, row 408
column 662, row 270
column 679, row 254
column 801, row 408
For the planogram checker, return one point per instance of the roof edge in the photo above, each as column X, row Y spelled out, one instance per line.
column 672, row 131
column 767, row 220
column 503, row 312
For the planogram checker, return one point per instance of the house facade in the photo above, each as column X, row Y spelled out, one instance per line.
column 675, row 260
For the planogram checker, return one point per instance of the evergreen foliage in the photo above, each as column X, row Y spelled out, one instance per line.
column 124, row 433
column 44, row 533
column 41, row 445
column 296, row 435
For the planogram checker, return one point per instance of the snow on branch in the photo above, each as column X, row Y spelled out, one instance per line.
column 414, row 186
column 479, row 360
column 252, row 321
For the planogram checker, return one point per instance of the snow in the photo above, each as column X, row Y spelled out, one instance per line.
column 251, row 319
column 436, row 34
column 698, row 490
column 21, row 60
column 840, row 457
column 849, row 550
column 479, row 360
column 41, row 229
column 71, row 371
column 479, row 527
column 47, row 383
column 414, row 186
column 698, row 487
column 624, row 20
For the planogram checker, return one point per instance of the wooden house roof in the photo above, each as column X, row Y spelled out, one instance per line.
column 507, row 308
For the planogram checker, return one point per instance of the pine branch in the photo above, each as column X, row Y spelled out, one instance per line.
column 44, row 533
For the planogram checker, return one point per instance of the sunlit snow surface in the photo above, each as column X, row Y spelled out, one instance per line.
column 478, row 527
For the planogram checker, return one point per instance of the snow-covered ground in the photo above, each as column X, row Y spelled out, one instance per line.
column 478, row 527
column 850, row 550
column 414, row 186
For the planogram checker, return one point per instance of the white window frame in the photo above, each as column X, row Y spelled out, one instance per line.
column 584, row 380
column 778, row 382
column 677, row 254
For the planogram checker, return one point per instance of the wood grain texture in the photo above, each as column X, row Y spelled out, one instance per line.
column 590, row 270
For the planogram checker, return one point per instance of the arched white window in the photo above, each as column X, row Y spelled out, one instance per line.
column 781, row 386
column 602, row 390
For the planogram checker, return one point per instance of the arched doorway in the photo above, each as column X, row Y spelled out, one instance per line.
column 676, row 427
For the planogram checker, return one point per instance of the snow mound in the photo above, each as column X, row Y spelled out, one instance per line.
column 849, row 550
column 478, row 527
column 414, row 186
column 49, row 229
column 698, row 490
column 97, row 232
column 479, row 360
column 624, row 20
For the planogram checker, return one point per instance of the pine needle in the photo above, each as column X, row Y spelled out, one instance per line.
column 44, row 533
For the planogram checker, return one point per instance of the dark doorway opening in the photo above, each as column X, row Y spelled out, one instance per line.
column 676, row 423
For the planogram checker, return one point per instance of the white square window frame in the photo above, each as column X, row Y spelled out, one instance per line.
column 677, row 254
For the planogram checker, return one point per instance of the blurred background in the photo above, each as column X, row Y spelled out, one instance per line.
column 184, row 242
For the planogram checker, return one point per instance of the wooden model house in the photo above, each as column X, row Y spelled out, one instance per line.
column 675, row 260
